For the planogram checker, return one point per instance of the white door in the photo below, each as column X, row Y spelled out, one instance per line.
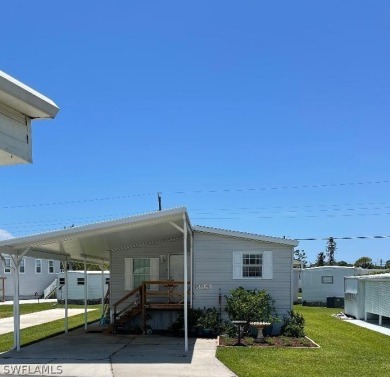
column 176, row 267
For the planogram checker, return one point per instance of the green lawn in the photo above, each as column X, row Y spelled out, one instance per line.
column 346, row 350
column 39, row 332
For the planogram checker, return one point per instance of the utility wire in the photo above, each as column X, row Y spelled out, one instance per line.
column 196, row 192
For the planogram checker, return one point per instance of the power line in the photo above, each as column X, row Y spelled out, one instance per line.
column 196, row 192
column 343, row 238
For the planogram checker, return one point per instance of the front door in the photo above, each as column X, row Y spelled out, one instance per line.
column 176, row 267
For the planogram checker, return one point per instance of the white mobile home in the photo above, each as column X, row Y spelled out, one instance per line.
column 160, row 265
column 97, row 285
column 35, row 275
column 19, row 105
column 366, row 296
column 318, row 283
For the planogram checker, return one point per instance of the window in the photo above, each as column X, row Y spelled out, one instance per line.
column 138, row 270
column 22, row 266
column 80, row 281
column 327, row 279
column 61, row 281
column 7, row 265
column 51, row 267
column 141, row 270
column 252, row 265
column 108, row 281
column 38, row 266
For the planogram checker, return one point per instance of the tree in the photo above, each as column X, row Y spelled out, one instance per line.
column 364, row 262
column 331, row 247
column 320, row 261
column 387, row 264
column 301, row 256
column 343, row 263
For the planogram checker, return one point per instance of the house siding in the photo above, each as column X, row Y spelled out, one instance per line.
column 213, row 265
column 30, row 282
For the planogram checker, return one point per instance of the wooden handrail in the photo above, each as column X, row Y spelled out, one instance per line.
column 124, row 298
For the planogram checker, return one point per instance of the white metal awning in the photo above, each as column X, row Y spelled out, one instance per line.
column 95, row 241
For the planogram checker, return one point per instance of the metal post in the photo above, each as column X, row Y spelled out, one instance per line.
column 66, row 295
column 85, row 295
column 16, row 260
column 102, row 267
column 185, row 286
column 191, row 269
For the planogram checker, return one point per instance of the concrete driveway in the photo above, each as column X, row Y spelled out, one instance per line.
column 94, row 354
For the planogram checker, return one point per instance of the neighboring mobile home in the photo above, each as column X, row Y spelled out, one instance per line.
column 368, row 296
column 318, row 283
column 35, row 275
column 97, row 285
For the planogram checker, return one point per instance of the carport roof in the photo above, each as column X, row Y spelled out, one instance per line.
column 95, row 241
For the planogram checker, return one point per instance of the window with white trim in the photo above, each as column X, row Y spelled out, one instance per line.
column 138, row 270
column 62, row 281
column 22, row 266
column 38, row 266
column 51, row 266
column 108, row 281
column 252, row 265
column 327, row 279
column 7, row 265
column 80, row 281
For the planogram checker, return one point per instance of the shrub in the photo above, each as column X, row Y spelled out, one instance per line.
column 250, row 306
column 210, row 319
column 178, row 324
column 294, row 325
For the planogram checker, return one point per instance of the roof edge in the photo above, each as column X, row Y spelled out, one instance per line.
column 244, row 235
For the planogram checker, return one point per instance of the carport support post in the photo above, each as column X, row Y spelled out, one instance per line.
column 66, row 295
column 85, row 295
column 102, row 267
column 16, row 259
column 185, row 285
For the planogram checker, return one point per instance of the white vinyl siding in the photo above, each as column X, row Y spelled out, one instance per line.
column 7, row 265
column 138, row 270
column 252, row 265
column 38, row 266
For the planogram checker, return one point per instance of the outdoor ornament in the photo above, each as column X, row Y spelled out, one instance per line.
column 260, row 326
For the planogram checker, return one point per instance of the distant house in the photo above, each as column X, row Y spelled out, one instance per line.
column 318, row 283
column 35, row 276
column 367, row 296
column 76, row 284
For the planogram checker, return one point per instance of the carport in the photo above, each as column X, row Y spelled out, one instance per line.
column 97, row 243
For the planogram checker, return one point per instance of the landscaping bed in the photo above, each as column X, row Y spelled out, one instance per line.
column 271, row 341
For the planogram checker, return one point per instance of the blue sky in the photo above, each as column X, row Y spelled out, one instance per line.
column 267, row 118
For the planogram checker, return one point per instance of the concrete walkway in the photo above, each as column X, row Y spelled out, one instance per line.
column 371, row 325
column 37, row 318
column 94, row 354
column 31, row 301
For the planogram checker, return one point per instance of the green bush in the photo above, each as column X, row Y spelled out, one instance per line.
column 250, row 306
column 193, row 316
column 210, row 318
column 294, row 325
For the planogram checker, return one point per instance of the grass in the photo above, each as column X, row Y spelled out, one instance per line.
column 7, row 310
column 346, row 350
column 40, row 332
